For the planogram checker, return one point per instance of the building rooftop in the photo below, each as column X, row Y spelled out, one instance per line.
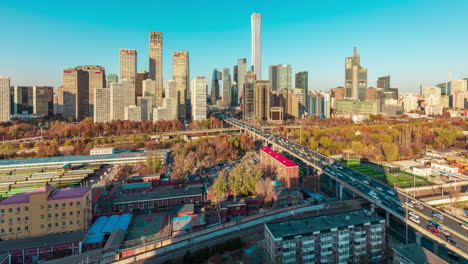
column 286, row 162
column 78, row 159
column 137, row 185
column 310, row 225
column 158, row 194
column 41, row 241
column 183, row 208
column 417, row 254
column 54, row 195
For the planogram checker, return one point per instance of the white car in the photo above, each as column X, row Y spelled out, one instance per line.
column 415, row 220
column 464, row 226
column 379, row 188
column 409, row 204
column 413, row 214
column 392, row 192
column 443, row 230
column 366, row 182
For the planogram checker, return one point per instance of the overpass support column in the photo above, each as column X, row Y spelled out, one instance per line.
column 387, row 219
column 341, row 191
column 418, row 237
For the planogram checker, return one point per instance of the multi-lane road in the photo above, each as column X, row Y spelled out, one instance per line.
column 443, row 228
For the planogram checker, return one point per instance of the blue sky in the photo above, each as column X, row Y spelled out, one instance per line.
column 415, row 42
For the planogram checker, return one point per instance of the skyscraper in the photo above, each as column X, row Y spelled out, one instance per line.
column 241, row 70
column 97, row 79
column 226, row 87
column 281, row 77
column 214, row 87
column 181, row 75
column 102, row 101
column 302, row 80
column 155, row 63
column 235, row 78
column 198, row 98
column 4, row 99
column 355, row 78
column 148, row 88
column 384, row 83
column 319, row 104
column 262, row 100
column 133, row 113
column 122, row 94
column 168, row 110
column 256, row 26
column 248, row 108
column 141, row 76
column 234, row 94
column 146, row 104
column 128, row 64
column 32, row 100
column 75, row 93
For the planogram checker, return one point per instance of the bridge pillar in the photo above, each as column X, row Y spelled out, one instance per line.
column 418, row 237
column 341, row 191
column 387, row 219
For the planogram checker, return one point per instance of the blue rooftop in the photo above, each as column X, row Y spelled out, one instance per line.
column 76, row 159
column 96, row 238
column 137, row 185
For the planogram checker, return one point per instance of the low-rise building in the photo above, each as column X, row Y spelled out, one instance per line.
column 422, row 170
column 348, row 237
column 284, row 198
column 415, row 254
column 162, row 197
column 136, row 187
column 444, row 167
column 100, row 151
column 45, row 211
column 230, row 209
column 287, row 170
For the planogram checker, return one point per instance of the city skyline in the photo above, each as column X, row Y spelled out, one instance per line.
column 410, row 61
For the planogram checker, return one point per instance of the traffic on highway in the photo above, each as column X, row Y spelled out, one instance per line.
column 445, row 228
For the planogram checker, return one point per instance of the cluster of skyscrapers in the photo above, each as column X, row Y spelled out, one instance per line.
column 142, row 95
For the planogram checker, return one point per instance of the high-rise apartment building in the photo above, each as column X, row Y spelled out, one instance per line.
column 58, row 101
column 355, row 78
column 241, row 71
column 155, row 63
column 141, row 76
column 102, row 111
column 133, row 113
column 248, row 107
column 292, row 105
column 146, row 105
column 384, row 83
column 45, row 211
column 97, row 79
column 262, row 100
column 29, row 100
column 122, row 94
column 4, row 99
column 75, row 93
column 280, row 77
column 199, row 108
column 227, row 84
column 339, row 238
column 181, row 75
column 168, row 111
column 256, row 27
column 302, row 80
column 410, row 101
column 301, row 98
column 128, row 64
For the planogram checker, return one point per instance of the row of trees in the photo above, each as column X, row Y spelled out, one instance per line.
column 381, row 142
column 87, row 128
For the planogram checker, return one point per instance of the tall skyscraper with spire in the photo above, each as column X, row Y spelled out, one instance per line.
column 256, row 24
column 355, row 78
column 155, row 64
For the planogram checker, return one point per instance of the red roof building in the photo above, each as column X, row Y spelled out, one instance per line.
column 287, row 170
